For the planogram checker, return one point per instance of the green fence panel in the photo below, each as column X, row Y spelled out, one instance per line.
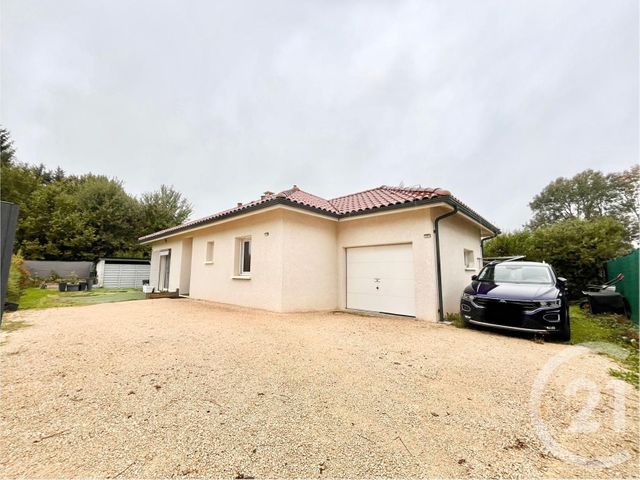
column 629, row 266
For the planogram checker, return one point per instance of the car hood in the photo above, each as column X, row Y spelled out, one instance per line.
column 514, row 291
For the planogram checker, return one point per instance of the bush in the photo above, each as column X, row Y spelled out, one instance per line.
column 18, row 279
column 577, row 249
column 53, row 276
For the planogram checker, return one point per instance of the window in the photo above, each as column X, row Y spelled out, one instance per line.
column 513, row 273
column 209, row 253
column 244, row 256
column 469, row 260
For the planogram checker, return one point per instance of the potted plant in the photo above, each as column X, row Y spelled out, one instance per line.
column 73, row 285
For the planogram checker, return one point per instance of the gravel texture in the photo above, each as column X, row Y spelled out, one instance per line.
column 164, row 388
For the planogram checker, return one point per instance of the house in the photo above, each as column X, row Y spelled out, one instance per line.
column 388, row 249
column 122, row 272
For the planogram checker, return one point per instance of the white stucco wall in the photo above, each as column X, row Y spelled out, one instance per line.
column 301, row 264
column 185, row 265
column 408, row 226
column 216, row 281
column 456, row 235
column 310, row 266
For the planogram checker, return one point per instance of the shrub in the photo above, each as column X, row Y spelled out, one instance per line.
column 577, row 249
column 18, row 279
column 53, row 276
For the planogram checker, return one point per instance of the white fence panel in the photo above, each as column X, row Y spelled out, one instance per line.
column 125, row 275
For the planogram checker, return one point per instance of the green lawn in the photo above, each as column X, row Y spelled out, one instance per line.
column 614, row 329
column 48, row 298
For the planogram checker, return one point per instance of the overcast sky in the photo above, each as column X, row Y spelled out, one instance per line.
column 227, row 99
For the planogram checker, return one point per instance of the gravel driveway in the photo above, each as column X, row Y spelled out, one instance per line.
column 162, row 388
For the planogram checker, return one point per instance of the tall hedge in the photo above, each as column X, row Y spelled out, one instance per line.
column 577, row 249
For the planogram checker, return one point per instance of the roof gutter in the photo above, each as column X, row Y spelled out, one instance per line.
column 197, row 224
column 436, row 231
column 448, row 200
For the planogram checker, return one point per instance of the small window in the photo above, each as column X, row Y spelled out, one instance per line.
column 209, row 254
column 245, row 256
column 469, row 260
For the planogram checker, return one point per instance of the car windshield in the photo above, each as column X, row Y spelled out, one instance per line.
column 510, row 273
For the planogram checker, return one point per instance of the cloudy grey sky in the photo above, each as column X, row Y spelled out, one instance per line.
column 226, row 99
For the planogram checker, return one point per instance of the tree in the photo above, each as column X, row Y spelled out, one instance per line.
column 577, row 248
column 54, row 228
column 590, row 194
column 7, row 151
column 66, row 217
column 111, row 213
column 624, row 204
column 586, row 195
column 162, row 209
column 508, row 244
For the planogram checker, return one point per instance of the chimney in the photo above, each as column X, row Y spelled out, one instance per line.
column 239, row 204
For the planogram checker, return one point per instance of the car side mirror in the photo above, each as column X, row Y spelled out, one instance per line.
column 562, row 281
column 474, row 277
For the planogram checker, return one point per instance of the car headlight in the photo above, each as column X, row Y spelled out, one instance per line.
column 550, row 303
column 468, row 297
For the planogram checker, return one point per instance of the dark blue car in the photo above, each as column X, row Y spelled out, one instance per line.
column 519, row 296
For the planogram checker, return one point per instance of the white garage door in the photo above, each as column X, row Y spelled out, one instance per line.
column 381, row 279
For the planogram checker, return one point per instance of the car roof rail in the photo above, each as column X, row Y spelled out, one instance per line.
column 496, row 260
column 516, row 258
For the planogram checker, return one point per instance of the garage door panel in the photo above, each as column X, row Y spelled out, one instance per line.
column 364, row 301
column 381, row 279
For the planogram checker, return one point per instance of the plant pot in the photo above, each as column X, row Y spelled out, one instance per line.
column 90, row 284
column 62, row 286
column 73, row 287
column 10, row 306
column 82, row 286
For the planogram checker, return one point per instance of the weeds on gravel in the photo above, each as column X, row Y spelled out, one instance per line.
column 9, row 325
column 615, row 329
column 456, row 320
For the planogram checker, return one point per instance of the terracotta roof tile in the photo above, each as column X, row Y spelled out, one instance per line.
column 372, row 199
column 383, row 196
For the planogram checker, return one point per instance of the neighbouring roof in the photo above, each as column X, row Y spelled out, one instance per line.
column 124, row 261
column 368, row 201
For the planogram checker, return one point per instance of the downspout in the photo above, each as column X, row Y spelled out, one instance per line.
column 495, row 234
column 438, row 265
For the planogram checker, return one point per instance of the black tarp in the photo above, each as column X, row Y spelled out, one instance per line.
column 8, row 223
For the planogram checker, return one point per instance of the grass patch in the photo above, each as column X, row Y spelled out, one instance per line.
column 615, row 329
column 456, row 320
column 47, row 298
